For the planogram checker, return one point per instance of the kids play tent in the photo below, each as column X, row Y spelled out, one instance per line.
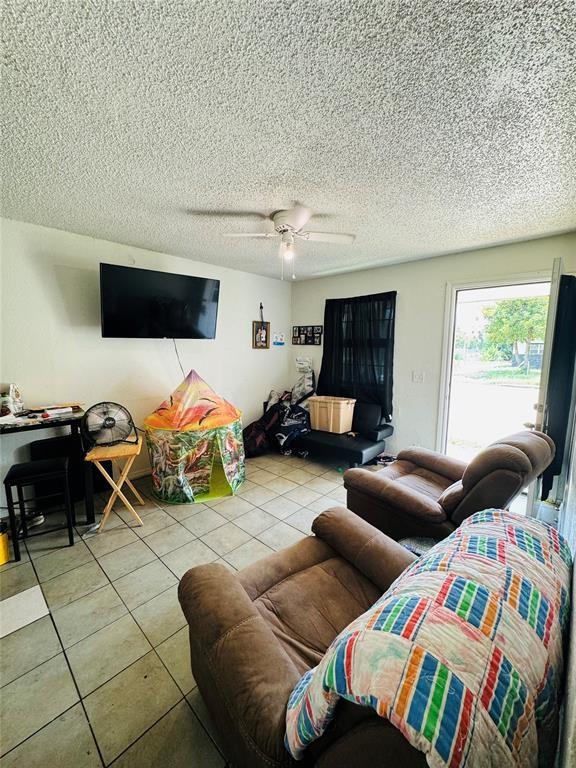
column 195, row 444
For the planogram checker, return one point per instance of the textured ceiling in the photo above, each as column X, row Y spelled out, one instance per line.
column 423, row 127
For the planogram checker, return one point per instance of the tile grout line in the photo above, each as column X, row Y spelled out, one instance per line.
column 154, row 649
column 119, row 755
column 204, row 727
column 95, row 558
column 71, row 673
column 81, row 698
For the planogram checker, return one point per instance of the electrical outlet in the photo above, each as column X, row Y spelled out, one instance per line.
column 418, row 377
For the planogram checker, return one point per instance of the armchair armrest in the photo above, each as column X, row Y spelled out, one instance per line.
column 402, row 498
column 377, row 556
column 435, row 462
column 237, row 653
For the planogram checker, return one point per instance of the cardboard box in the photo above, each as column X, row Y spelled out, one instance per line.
column 331, row 414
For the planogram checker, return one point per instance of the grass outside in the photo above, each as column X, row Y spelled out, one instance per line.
column 510, row 376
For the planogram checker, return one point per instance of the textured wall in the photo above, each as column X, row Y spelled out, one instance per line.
column 424, row 127
column 53, row 348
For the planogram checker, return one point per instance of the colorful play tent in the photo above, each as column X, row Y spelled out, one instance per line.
column 195, row 444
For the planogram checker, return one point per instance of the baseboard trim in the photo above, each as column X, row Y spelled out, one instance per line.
column 138, row 473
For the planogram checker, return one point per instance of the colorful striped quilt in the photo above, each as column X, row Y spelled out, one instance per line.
column 463, row 654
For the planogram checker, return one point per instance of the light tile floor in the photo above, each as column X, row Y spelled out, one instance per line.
column 104, row 678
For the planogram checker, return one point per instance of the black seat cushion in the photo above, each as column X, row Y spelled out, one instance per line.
column 36, row 470
column 353, row 449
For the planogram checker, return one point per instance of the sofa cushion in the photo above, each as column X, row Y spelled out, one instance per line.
column 353, row 449
column 418, row 478
column 446, row 466
column 310, row 607
column 526, row 453
column 451, row 497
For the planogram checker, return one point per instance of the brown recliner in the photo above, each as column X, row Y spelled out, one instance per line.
column 424, row 493
column 255, row 633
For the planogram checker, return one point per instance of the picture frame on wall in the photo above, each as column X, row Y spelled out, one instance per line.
column 307, row 335
column 260, row 335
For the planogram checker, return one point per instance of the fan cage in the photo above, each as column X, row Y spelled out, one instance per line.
column 107, row 423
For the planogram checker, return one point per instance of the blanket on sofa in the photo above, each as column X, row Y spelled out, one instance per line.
column 463, row 654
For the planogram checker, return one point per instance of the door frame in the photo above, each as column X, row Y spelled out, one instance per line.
column 452, row 289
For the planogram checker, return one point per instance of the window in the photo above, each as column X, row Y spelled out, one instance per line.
column 357, row 360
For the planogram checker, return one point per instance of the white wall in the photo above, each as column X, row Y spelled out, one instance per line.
column 51, row 344
column 53, row 349
column 421, row 287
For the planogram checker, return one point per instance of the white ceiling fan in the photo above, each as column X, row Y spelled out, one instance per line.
column 289, row 226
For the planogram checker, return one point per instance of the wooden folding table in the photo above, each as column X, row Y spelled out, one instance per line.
column 126, row 452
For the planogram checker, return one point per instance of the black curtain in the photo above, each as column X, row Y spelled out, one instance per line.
column 359, row 349
column 561, row 377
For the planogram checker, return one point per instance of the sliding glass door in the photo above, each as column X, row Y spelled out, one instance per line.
column 498, row 336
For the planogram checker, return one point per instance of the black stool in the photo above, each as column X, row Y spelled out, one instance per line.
column 31, row 473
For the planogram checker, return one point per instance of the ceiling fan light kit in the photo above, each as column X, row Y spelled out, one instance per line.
column 289, row 225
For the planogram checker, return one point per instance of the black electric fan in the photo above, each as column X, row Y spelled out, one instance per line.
column 107, row 424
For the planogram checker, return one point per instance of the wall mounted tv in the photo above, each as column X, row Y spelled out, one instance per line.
column 144, row 304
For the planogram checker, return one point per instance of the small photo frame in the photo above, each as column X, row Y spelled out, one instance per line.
column 260, row 335
column 307, row 335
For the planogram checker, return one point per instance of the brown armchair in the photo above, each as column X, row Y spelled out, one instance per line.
column 424, row 493
column 255, row 633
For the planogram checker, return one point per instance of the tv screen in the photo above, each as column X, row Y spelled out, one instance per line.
column 142, row 303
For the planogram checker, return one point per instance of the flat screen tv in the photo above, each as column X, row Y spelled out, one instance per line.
column 144, row 304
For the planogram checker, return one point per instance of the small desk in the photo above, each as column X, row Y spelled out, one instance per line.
column 71, row 420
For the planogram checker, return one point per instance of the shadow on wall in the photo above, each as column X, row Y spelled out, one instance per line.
column 80, row 295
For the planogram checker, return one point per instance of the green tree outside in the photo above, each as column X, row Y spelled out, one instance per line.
column 512, row 321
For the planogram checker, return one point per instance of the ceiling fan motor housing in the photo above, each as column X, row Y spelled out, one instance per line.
column 291, row 221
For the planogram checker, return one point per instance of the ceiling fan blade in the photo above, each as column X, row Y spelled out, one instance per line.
column 327, row 237
column 250, row 234
column 230, row 214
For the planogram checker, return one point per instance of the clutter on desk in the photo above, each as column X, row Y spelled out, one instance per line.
column 56, row 408
column 11, row 402
column 47, row 412
column 13, row 410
